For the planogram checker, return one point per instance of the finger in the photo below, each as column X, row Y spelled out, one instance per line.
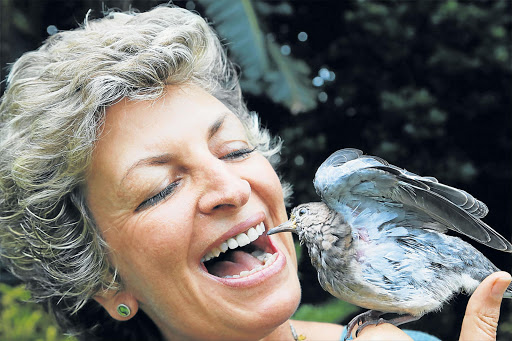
column 483, row 310
column 384, row 331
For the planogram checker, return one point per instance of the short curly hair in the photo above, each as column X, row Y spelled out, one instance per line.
column 50, row 117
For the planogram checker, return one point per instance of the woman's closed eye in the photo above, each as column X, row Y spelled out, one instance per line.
column 238, row 154
column 167, row 191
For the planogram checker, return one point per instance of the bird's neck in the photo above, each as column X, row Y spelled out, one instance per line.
column 334, row 243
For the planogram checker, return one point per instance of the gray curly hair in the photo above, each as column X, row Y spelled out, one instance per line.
column 50, row 116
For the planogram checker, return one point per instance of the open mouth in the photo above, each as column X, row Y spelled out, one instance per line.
column 241, row 255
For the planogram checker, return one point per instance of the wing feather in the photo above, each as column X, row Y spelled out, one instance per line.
column 349, row 177
column 452, row 216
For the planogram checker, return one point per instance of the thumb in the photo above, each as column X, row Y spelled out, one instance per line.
column 483, row 310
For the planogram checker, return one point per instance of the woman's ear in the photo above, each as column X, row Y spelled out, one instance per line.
column 122, row 306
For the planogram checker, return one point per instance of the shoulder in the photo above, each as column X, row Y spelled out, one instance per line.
column 420, row 336
column 376, row 333
column 318, row 330
column 330, row 331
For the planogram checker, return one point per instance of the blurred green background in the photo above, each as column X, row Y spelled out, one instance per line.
column 427, row 85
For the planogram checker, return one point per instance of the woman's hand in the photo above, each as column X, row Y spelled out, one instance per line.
column 483, row 310
column 480, row 321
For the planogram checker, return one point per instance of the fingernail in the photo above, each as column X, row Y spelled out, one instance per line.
column 500, row 285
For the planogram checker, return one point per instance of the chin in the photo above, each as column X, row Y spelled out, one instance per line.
column 275, row 309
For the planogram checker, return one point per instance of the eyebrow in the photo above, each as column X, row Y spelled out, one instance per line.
column 166, row 157
column 152, row 160
column 214, row 128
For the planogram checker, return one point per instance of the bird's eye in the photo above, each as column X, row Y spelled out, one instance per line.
column 303, row 211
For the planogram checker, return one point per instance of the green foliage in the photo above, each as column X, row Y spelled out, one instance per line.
column 333, row 311
column 298, row 252
column 288, row 82
column 237, row 23
column 24, row 321
column 264, row 68
column 422, row 84
column 506, row 326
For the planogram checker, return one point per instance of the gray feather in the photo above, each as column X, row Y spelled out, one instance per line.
column 372, row 178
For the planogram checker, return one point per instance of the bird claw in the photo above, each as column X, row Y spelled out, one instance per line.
column 373, row 317
column 368, row 323
column 364, row 319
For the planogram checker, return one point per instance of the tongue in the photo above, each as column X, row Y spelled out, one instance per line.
column 239, row 261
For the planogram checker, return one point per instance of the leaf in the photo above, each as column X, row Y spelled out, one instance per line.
column 298, row 251
column 289, row 84
column 236, row 21
column 283, row 79
column 332, row 311
column 22, row 320
column 274, row 8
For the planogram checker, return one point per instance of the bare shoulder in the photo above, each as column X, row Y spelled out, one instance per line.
column 318, row 330
column 384, row 331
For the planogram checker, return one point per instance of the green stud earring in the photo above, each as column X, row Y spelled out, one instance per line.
column 123, row 310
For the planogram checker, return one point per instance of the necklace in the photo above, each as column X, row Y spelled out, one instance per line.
column 296, row 337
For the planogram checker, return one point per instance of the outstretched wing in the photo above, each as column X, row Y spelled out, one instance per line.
column 351, row 178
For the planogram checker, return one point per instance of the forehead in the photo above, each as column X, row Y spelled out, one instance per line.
column 184, row 111
column 179, row 105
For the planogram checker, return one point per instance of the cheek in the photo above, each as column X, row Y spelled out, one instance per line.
column 287, row 240
column 266, row 183
column 149, row 245
column 269, row 187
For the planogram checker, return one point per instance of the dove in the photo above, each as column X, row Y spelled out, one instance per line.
column 378, row 238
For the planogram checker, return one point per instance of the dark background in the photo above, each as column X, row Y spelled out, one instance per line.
column 426, row 85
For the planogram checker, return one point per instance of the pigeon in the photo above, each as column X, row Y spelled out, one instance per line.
column 378, row 238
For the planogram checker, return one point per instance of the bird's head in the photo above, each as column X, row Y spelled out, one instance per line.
column 306, row 220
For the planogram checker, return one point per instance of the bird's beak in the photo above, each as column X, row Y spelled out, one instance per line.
column 287, row 226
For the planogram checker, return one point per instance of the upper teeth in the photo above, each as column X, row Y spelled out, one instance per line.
column 239, row 240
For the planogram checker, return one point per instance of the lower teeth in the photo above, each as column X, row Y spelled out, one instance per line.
column 266, row 258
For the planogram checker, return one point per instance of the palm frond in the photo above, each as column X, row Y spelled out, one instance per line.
column 265, row 70
column 289, row 83
column 236, row 21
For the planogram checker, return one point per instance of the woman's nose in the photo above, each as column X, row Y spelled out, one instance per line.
column 224, row 188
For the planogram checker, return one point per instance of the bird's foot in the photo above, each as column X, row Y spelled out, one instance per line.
column 363, row 319
column 373, row 317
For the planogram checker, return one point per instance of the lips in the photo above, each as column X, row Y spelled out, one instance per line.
column 241, row 255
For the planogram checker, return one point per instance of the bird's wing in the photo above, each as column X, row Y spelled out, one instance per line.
column 339, row 164
column 456, row 196
column 348, row 176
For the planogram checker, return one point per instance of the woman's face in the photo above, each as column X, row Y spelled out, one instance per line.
column 174, row 182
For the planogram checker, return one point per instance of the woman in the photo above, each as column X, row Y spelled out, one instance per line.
column 129, row 167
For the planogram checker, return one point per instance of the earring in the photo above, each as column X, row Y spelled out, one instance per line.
column 123, row 310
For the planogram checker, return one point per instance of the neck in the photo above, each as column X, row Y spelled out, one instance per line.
column 283, row 332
